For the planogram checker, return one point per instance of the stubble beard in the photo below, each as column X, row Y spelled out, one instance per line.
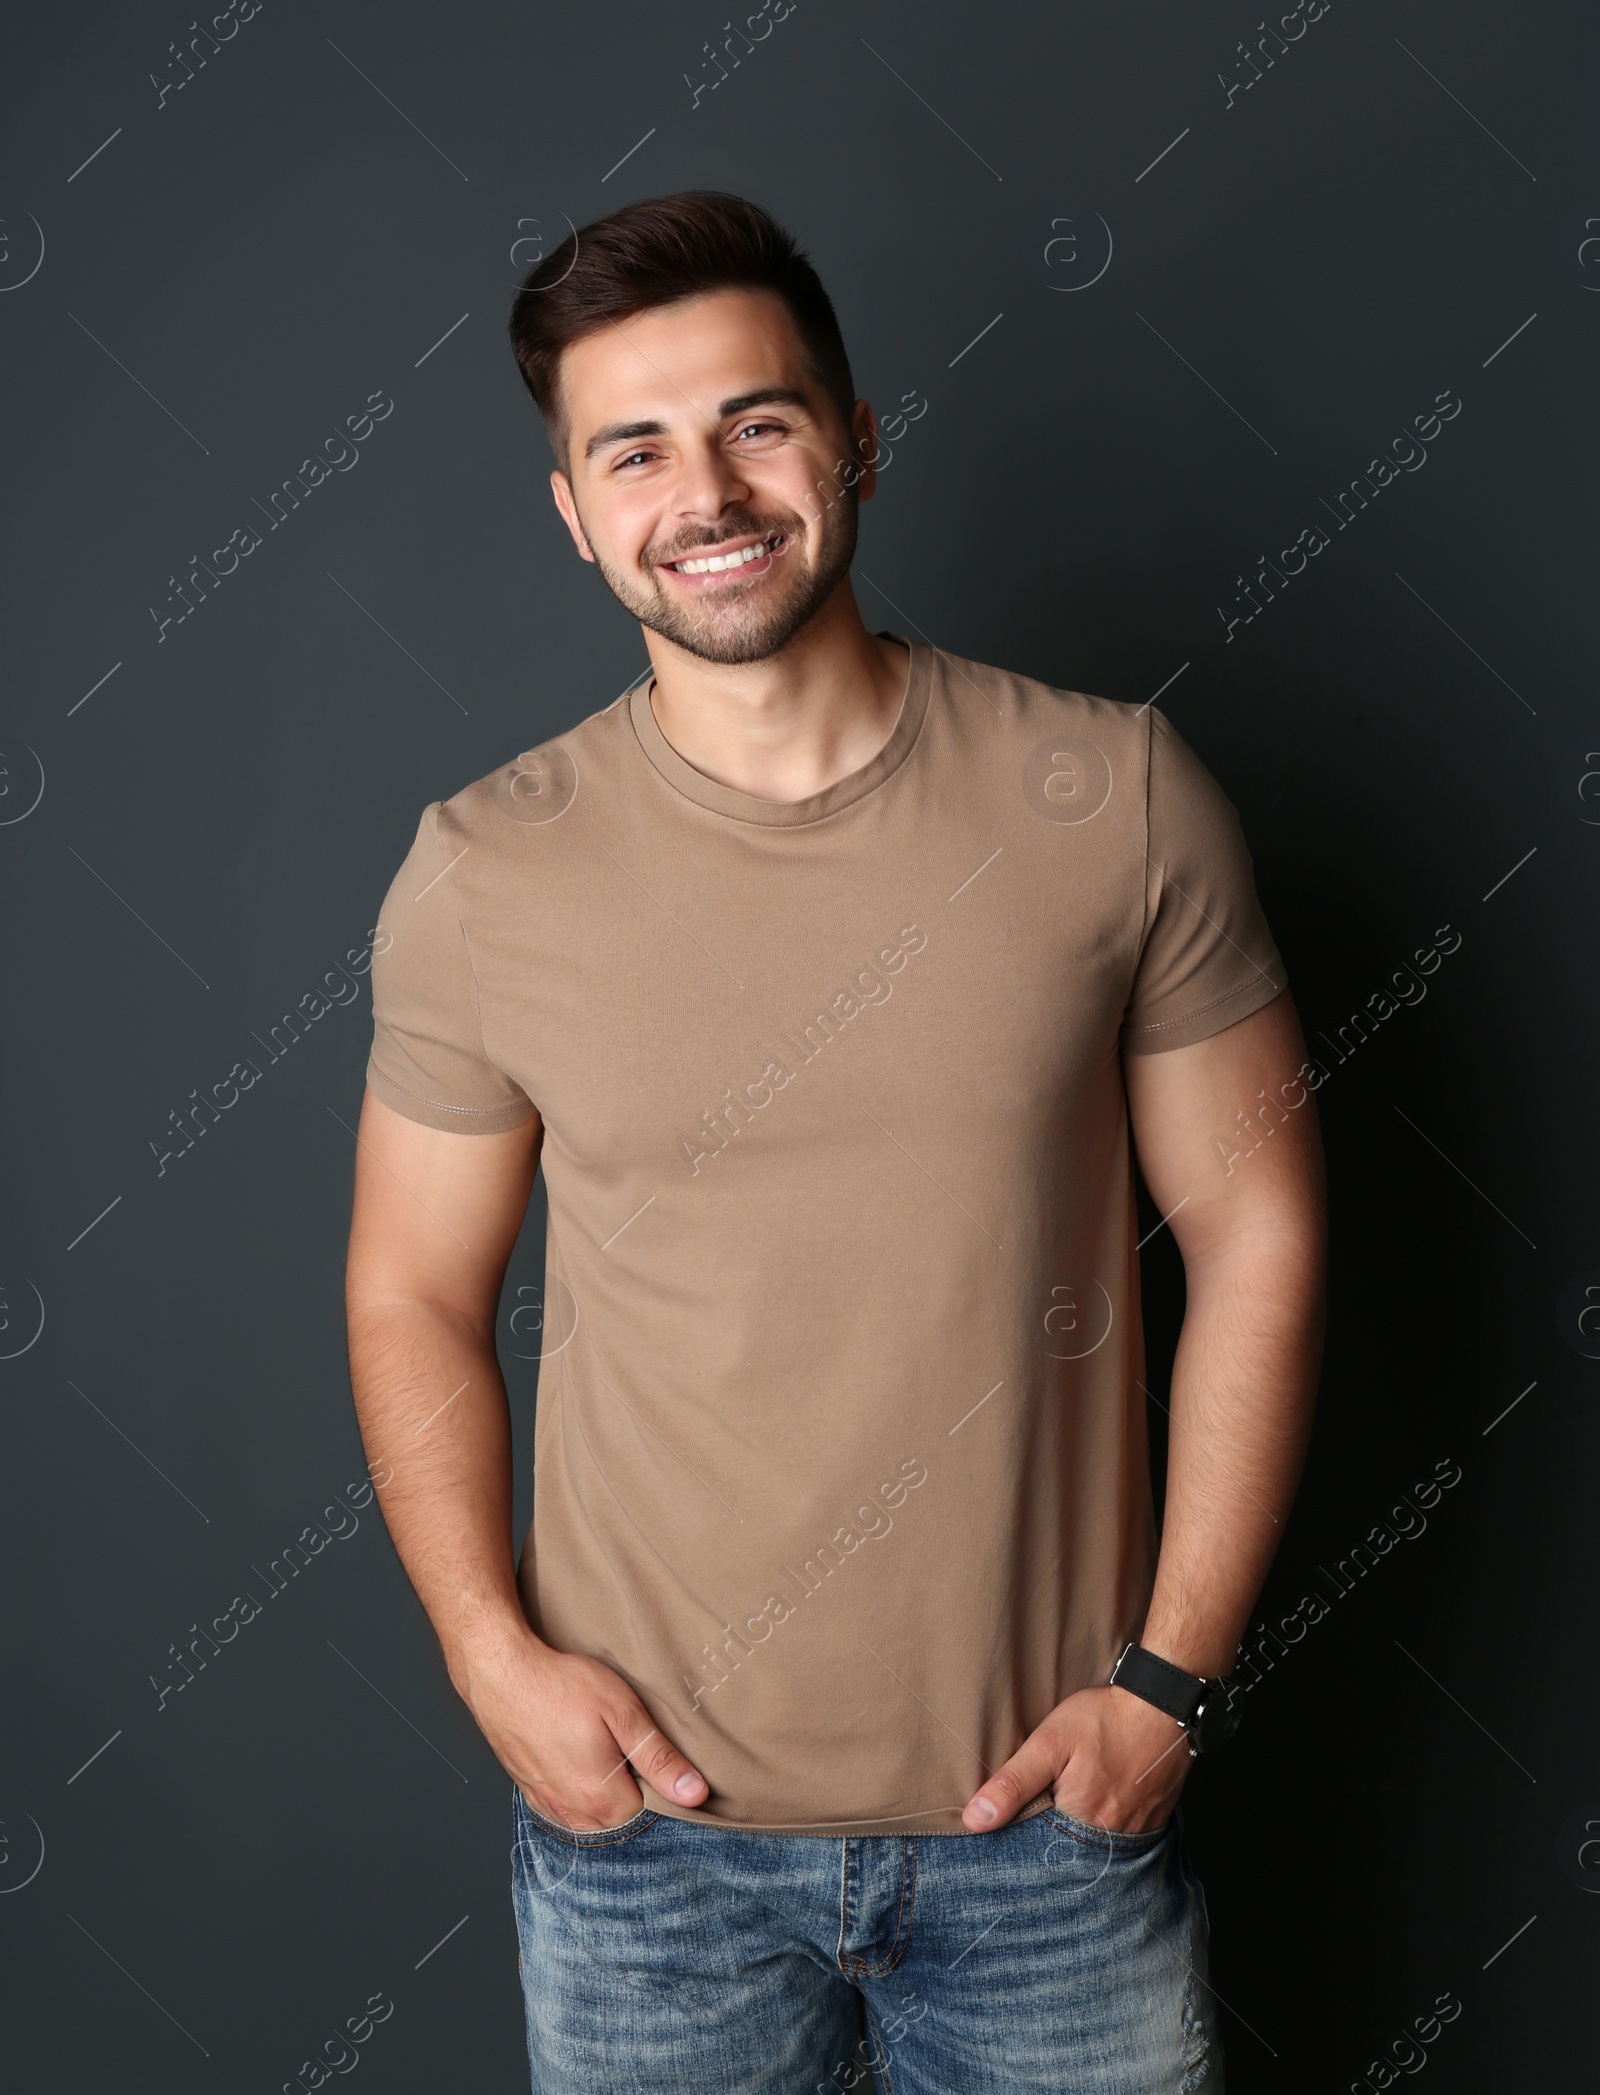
column 747, row 622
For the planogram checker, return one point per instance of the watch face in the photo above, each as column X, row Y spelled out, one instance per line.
column 1219, row 1715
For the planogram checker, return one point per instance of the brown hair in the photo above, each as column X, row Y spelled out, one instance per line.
column 654, row 253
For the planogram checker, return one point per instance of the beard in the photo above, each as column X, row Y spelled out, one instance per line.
column 745, row 621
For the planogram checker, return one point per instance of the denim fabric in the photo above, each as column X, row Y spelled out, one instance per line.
column 669, row 1957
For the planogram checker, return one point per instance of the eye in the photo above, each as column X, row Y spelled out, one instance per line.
column 760, row 429
column 630, row 458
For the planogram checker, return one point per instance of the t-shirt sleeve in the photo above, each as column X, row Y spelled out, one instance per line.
column 428, row 1058
column 1207, row 958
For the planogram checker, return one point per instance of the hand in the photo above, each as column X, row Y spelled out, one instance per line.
column 571, row 1733
column 1110, row 1759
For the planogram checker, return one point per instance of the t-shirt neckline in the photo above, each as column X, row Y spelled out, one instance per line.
column 750, row 807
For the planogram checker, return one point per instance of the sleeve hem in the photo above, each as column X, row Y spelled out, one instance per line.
column 1215, row 1017
column 455, row 1120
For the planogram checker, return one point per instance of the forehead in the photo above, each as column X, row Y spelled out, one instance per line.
column 678, row 361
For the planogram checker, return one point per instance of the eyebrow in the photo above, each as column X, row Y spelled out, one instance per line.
column 766, row 396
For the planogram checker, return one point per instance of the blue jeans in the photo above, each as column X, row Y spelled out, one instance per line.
column 669, row 1957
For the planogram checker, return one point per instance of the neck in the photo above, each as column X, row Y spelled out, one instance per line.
column 789, row 727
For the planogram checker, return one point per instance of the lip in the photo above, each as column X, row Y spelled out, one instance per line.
column 749, row 570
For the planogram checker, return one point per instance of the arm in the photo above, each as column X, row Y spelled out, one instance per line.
column 1243, row 1390
column 436, row 1216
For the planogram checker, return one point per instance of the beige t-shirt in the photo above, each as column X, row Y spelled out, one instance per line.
column 840, row 1454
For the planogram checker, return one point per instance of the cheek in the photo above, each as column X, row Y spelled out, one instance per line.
column 804, row 483
column 624, row 521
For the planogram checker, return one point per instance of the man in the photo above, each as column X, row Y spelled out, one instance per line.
column 827, row 974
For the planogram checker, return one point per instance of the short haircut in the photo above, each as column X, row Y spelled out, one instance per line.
column 655, row 253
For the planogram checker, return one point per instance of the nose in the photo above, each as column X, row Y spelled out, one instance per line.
column 710, row 481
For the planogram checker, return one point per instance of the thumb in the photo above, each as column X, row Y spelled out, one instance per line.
column 658, row 1762
column 1032, row 1768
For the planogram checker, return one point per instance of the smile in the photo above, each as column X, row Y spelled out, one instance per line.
column 737, row 557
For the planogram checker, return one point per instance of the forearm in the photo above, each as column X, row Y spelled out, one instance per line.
column 1243, row 1392
column 433, row 1412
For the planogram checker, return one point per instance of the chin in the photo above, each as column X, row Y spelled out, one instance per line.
column 744, row 633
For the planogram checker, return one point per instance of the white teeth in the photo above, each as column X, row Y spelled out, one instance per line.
column 716, row 563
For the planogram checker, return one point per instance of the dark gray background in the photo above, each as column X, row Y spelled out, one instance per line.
column 227, row 279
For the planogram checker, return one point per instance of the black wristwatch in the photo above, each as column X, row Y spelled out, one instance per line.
column 1208, row 1710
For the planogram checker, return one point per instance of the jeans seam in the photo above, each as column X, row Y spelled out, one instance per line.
column 902, row 1919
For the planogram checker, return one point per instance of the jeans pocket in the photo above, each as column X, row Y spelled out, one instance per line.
column 1107, row 1840
column 580, row 1837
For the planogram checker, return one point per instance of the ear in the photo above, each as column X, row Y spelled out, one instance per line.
column 561, row 488
column 866, row 450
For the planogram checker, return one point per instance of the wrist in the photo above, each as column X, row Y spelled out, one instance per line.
column 1207, row 1706
column 485, row 1643
column 1196, row 1650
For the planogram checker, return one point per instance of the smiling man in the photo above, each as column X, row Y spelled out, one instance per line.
column 845, row 1680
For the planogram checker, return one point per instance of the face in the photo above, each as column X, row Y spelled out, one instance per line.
column 707, row 473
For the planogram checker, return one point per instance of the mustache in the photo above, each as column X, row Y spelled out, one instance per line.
column 689, row 544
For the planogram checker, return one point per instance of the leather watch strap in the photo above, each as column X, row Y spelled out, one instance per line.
column 1157, row 1680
